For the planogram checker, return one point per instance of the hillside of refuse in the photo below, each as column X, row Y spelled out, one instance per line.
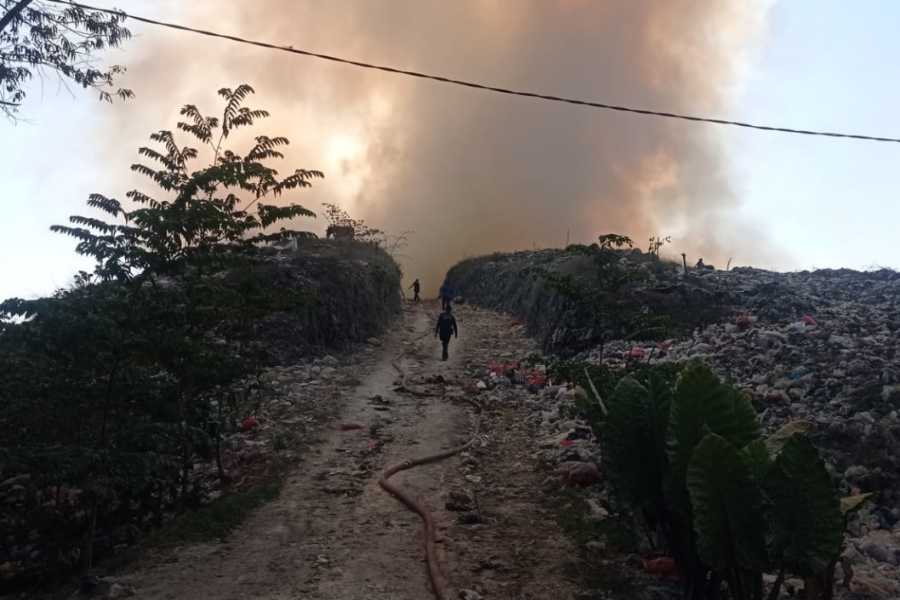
column 815, row 347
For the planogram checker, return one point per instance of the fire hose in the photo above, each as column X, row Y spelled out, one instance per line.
column 438, row 580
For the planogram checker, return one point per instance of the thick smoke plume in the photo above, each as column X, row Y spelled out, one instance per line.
column 472, row 172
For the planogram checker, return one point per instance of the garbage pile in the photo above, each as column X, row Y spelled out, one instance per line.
column 566, row 443
column 272, row 426
column 820, row 346
column 514, row 373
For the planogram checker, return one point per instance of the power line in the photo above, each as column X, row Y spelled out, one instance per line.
column 482, row 86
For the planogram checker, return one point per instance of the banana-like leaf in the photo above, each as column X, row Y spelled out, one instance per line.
column 727, row 508
column 777, row 440
column 756, row 454
column 661, row 406
column 806, row 520
column 634, row 441
column 702, row 404
column 850, row 504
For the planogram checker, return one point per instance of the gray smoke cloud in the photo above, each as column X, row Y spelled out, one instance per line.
column 473, row 172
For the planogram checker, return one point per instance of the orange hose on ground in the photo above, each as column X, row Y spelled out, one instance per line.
column 438, row 582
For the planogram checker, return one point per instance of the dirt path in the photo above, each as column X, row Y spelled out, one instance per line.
column 333, row 533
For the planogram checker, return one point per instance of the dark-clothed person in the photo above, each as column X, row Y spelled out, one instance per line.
column 446, row 294
column 416, row 286
column 445, row 329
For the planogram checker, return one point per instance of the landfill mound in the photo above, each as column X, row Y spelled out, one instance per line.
column 353, row 293
column 818, row 346
column 522, row 283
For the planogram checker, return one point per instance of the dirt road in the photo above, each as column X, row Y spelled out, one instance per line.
column 333, row 533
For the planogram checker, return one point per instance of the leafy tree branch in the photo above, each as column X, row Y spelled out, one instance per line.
column 37, row 38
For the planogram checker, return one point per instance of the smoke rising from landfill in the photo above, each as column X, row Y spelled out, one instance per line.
column 471, row 172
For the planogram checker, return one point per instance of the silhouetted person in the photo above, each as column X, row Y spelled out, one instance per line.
column 415, row 288
column 445, row 328
column 703, row 265
column 446, row 294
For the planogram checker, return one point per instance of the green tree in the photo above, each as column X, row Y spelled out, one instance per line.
column 108, row 390
column 201, row 223
column 38, row 38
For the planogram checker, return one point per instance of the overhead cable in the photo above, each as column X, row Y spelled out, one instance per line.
column 484, row 86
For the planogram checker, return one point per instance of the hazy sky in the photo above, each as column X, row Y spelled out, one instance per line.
column 472, row 172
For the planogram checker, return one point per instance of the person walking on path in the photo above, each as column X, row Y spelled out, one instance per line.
column 416, row 286
column 446, row 294
column 445, row 328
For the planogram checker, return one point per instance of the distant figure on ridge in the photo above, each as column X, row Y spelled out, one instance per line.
column 415, row 288
column 340, row 232
column 703, row 265
column 446, row 294
column 445, row 328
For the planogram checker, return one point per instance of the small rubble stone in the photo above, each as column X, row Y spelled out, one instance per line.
column 118, row 590
column 459, row 501
column 882, row 546
column 597, row 512
column 579, row 473
column 469, row 518
column 873, row 586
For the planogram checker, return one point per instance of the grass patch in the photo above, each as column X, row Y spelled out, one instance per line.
column 217, row 520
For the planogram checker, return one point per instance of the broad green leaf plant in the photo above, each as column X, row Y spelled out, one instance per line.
column 729, row 504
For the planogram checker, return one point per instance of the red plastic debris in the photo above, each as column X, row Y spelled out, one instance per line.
column 249, row 423
column 662, row 566
column 532, row 376
column 536, row 378
column 501, row 368
column 566, row 442
column 637, row 352
column 350, row 426
column 808, row 320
